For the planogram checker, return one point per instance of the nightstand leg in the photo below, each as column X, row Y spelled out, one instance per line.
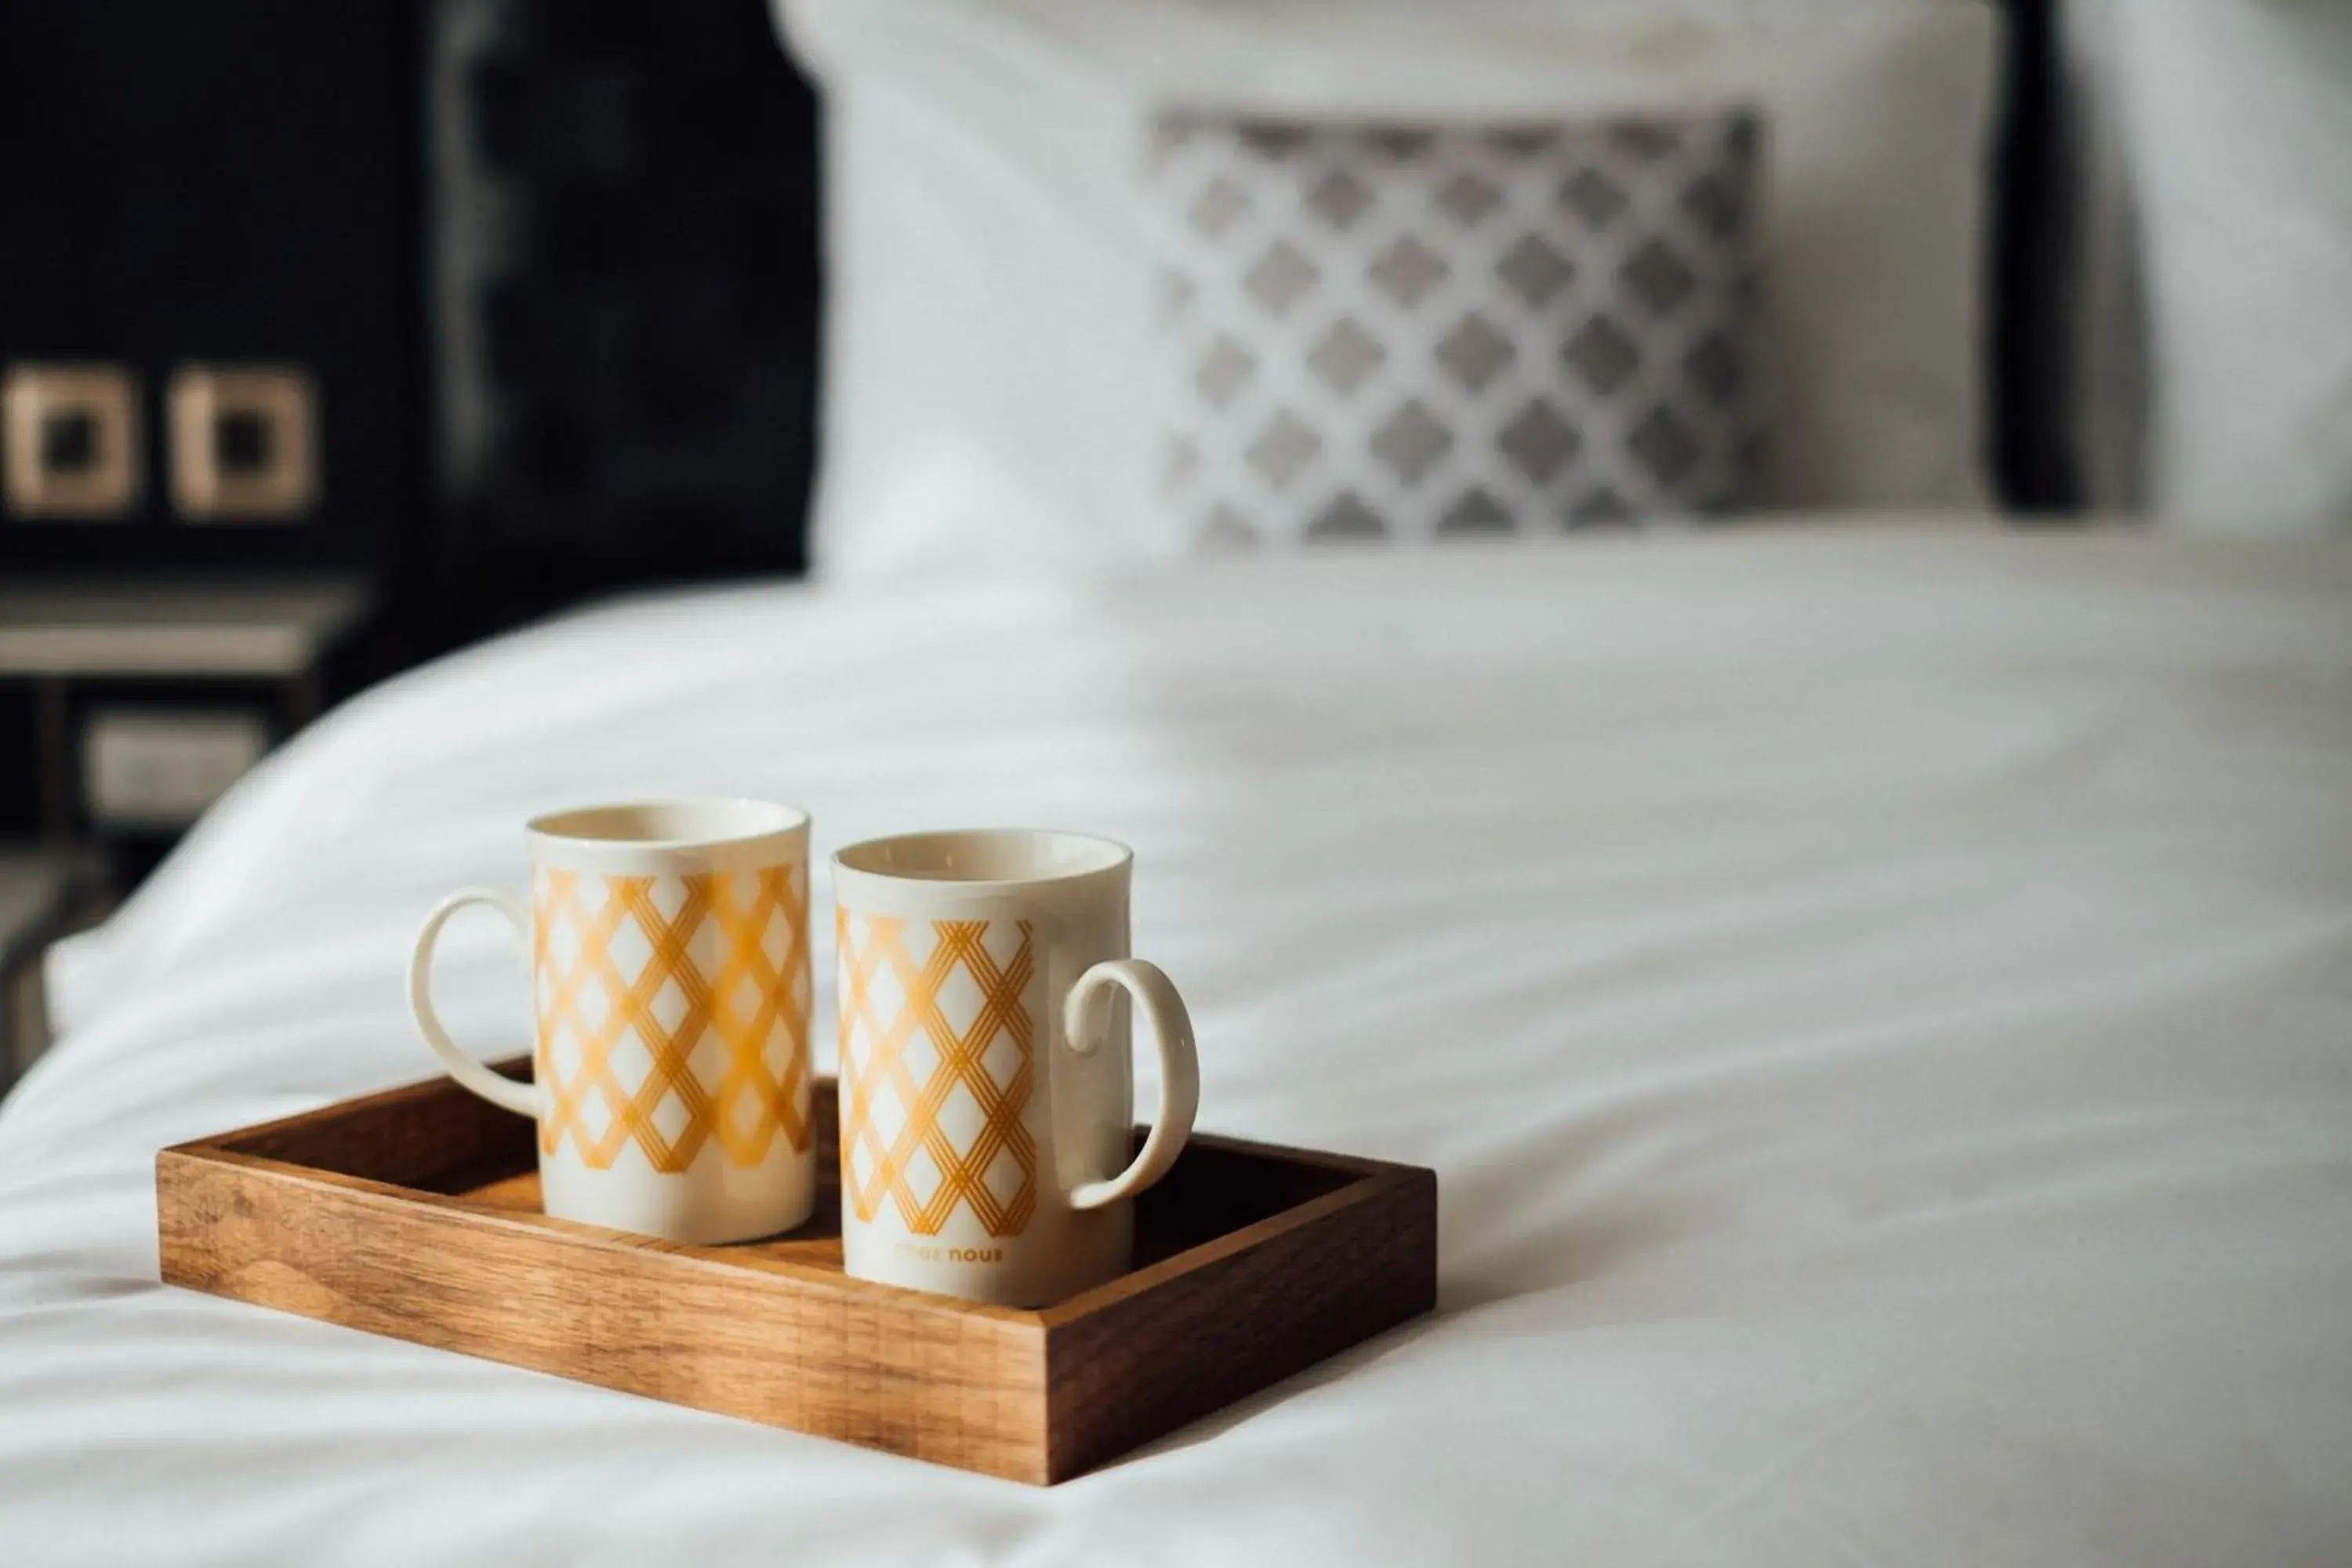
column 304, row 697
column 55, row 762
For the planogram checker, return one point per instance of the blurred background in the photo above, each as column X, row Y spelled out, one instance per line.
column 336, row 336
column 333, row 337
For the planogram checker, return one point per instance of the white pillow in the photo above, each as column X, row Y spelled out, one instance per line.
column 989, row 307
column 2215, row 290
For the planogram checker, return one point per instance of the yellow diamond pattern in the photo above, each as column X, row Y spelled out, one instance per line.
column 715, row 949
column 874, row 1063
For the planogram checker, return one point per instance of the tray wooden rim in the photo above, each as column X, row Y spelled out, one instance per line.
column 1056, row 1352
column 1373, row 1175
column 221, row 1148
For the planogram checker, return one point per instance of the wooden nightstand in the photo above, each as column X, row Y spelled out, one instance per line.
column 44, row 895
column 146, row 701
column 136, row 706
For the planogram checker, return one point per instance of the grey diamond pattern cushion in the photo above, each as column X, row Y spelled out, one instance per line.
column 1389, row 331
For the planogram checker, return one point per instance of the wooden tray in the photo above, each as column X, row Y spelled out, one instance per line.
column 415, row 1213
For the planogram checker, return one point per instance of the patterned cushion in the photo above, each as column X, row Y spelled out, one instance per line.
column 1373, row 331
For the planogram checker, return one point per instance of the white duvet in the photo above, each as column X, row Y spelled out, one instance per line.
column 1880, row 1006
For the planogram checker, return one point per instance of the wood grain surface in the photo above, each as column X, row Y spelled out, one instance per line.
column 414, row 1214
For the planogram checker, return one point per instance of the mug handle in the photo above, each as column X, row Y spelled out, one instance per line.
column 522, row 1098
column 1179, row 1069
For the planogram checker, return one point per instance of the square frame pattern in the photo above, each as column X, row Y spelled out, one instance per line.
column 109, row 484
column 282, row 486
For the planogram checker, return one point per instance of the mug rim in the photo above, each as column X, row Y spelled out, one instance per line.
column 1114, row 857
column 549, row 826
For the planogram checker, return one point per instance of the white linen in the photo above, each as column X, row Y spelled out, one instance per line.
column 2215, row 264
column 1880, row 1006
column 990, row 305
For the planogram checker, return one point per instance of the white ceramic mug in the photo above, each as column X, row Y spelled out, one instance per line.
column 668, row 949
column 987, row 1093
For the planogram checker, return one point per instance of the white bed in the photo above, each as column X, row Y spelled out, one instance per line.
column 1879, row 1002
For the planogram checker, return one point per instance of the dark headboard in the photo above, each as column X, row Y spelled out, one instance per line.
column 2031, row 456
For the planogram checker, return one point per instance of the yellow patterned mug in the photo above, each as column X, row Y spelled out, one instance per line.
column 668, row 956
column 987, row 1094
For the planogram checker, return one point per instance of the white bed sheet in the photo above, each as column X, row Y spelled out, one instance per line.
column 1880, row 1005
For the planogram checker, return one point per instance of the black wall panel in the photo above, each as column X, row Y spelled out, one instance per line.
column 221, row 179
